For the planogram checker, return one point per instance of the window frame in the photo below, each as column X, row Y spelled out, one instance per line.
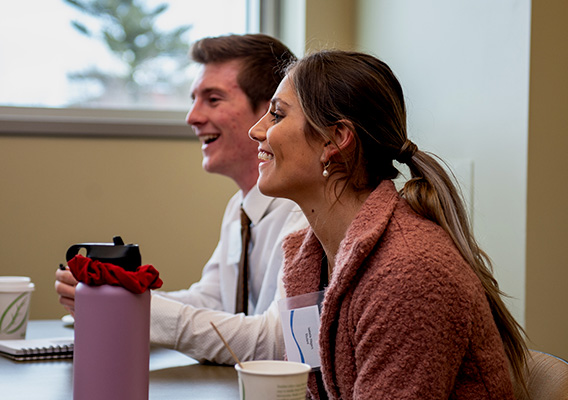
column 22, row 121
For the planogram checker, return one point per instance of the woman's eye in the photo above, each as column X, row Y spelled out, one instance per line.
column 276, row 117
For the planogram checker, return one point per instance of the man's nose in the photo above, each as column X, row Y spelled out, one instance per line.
column 195, row 116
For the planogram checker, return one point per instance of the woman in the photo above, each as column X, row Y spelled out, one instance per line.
column 411, row 310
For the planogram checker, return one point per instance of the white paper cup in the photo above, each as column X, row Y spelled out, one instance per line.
column 15, row 295
column 273, row 380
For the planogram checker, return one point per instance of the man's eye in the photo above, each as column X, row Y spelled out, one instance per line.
column 214, row 100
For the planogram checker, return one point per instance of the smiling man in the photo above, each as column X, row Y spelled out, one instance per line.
column 220, row 112
column 237, row 78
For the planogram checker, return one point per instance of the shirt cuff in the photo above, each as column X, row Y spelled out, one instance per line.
column 164, row 316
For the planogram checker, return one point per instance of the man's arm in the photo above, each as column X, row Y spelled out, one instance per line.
column 187, row 329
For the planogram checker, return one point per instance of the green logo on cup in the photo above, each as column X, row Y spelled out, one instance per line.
column 15, row 315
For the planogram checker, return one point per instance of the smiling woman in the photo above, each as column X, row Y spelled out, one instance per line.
column 290, row 163
column 113, row 55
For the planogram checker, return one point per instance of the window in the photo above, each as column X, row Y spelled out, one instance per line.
column 103, row 66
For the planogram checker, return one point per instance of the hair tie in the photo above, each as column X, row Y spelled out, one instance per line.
column 406, row 152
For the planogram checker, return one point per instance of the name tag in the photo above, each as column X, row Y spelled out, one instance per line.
column 300, row 320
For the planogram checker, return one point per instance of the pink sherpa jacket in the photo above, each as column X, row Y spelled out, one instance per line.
column 404, row 316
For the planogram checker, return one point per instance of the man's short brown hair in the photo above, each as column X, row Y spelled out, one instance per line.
column 263, row 57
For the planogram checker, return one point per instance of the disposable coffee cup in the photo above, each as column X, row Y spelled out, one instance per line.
column 15, row 296
column 273, row 380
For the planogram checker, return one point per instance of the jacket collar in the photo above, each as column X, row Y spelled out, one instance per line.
column 364, row 232
column 304, row 254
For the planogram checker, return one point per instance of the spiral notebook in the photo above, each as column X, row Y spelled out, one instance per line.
column 37, row 349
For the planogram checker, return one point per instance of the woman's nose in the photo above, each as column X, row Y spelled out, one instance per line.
column 258, row 131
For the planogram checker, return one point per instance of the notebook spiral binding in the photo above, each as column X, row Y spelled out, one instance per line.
column 47, row 352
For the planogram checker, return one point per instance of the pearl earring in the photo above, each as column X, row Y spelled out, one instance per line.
column 325, row 172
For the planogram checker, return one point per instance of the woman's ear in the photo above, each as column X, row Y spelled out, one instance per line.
column 343, row 134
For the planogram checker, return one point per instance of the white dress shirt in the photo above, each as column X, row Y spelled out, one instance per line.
column 181, row 319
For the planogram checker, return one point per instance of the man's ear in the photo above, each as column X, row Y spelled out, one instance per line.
column 343, row 134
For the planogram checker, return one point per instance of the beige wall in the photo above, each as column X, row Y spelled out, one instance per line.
column 60, row 191
column 547, row 204
column 330, row 24
column 309, row 25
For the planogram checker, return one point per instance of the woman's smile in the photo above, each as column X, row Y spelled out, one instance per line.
column 264, row 155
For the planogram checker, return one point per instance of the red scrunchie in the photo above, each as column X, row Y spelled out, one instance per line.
column 96, row 273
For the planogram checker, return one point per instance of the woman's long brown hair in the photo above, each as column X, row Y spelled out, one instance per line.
column 335, row 87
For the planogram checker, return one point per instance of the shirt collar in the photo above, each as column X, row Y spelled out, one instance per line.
column 256, row 205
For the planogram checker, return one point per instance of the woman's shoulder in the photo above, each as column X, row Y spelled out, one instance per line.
column 416, row 254
column 419, row 238
column 420, row 276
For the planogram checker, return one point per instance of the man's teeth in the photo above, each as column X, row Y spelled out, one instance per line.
column 264, row 156
column 208, row 138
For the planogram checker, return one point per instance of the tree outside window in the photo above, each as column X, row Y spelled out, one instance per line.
column 105, row 54
column 152, row 60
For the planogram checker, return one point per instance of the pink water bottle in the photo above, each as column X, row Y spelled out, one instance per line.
column 112, row 343
column 112, row 322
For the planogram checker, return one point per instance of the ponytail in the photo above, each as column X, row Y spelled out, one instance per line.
column 431, row 193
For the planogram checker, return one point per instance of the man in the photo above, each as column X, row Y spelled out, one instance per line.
column 232, row 91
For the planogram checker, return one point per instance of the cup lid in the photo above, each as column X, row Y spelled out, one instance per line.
column 15, row 283
column 273, row 368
